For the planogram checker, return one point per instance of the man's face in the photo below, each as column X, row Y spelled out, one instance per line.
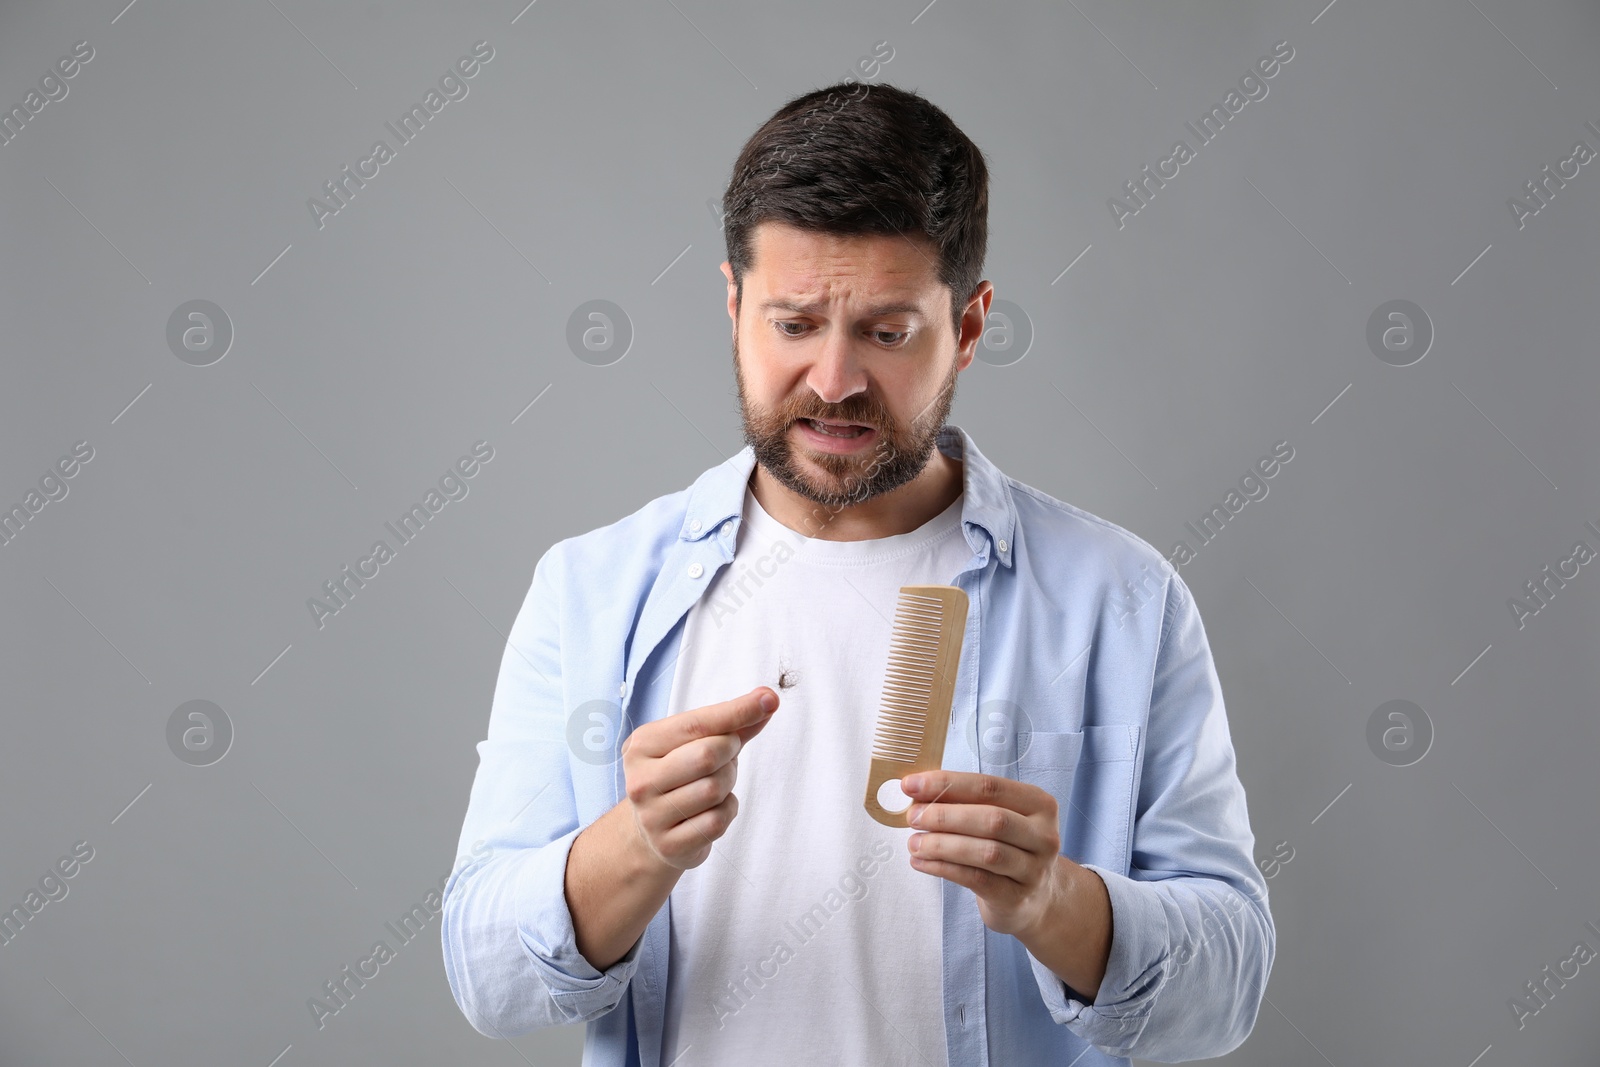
column 849, row 330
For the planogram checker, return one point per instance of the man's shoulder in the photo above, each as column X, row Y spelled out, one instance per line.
column 1053, row 527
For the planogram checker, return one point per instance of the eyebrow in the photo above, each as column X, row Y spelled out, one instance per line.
column 900, row 308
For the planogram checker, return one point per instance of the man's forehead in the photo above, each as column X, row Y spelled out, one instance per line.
column 797, row 266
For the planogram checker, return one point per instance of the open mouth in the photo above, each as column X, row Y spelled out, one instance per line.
column 837, row 429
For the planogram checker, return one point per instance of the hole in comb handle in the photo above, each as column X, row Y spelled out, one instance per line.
column 892, row 798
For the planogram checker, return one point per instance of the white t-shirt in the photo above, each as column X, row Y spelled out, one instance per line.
column 806, row 936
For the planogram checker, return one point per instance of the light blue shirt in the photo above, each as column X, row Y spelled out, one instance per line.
column 1085, row 670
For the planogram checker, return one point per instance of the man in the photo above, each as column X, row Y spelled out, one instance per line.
column 1078, row 887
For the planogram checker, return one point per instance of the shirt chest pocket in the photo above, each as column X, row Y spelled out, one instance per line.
column 1090, row 772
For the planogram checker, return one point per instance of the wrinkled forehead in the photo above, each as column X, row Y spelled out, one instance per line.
column 814, row 272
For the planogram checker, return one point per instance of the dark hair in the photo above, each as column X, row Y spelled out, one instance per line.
column 855, row 159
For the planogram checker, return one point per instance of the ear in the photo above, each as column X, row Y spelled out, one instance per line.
column 972, row 324
column 733, row 295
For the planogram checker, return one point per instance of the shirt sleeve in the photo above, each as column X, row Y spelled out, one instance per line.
column 510, row 952
column 1192, row 934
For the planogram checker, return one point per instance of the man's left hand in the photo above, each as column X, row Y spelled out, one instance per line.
column 1000, row 838
column 996, row 836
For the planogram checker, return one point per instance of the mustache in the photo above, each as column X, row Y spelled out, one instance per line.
column 872, row 420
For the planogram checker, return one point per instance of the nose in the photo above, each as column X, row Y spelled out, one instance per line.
column 837, row 373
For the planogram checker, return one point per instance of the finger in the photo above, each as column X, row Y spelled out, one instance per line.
column 965, row 787
column 665, row 810
column 986, row 884
column 984, row 821
column 703, row 828
column 662, row 736
column 747, row 732
column 697, row 759
column 999, row 859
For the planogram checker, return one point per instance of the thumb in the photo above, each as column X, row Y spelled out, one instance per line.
column 768, row 702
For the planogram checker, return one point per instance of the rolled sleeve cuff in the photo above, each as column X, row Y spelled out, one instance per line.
column 1134, row 970
column 545, row 925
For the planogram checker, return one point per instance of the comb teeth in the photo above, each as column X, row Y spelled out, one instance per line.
column 908, row 685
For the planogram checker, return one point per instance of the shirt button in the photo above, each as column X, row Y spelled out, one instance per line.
column 727, row 529
column 622, row 689
column 695, row 525
column 1002, row 544
column 695, row 570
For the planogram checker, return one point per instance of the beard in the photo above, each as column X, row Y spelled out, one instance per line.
column 898, row 454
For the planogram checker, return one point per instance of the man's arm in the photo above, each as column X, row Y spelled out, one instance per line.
column 1073, row 936
column 510, row 949
column 614, row 886
column 1192, row 936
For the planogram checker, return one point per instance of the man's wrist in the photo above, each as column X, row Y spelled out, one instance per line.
column 1072, row 936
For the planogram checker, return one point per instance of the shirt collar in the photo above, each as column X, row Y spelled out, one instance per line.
column 717, row 496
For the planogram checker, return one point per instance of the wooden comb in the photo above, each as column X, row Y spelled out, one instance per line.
column 914, row 712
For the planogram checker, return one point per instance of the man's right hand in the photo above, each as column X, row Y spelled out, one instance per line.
column 680, row 772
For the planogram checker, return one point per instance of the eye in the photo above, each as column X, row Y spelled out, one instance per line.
column 781, row 327
column 890, row 338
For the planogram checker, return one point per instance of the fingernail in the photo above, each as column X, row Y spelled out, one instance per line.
column 916, row 843
column 910, row 784
column 769, row 702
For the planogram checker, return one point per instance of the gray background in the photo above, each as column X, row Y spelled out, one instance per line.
column 1228, row 315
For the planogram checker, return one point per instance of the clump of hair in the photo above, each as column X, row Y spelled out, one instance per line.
column 854, row 159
